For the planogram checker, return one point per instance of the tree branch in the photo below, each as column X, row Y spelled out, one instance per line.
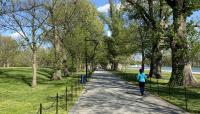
column 143, row 13
column 170, row 3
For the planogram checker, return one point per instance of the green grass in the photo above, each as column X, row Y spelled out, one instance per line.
column 174, row 95
column 17, row 96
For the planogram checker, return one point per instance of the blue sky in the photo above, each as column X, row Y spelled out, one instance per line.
column 99, row 3
column 103, row 6
column 102, row 3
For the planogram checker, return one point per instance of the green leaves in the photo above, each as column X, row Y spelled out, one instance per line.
column 76, row 21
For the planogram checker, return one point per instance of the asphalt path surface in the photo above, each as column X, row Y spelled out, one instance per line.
column 108, row 94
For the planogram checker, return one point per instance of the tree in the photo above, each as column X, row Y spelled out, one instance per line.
column 119, row 44
column 155, row 16
column 28, row 24
column 181, row 67
column 45, row 57
column 54, row 37
column 8, row 50
column 72, row 21
column 194, row 44
column 143, row 43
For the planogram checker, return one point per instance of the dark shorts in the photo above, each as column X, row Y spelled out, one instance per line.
column 141, row 84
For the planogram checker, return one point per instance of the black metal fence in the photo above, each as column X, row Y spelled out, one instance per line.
column 62, row 100
column 183, row 96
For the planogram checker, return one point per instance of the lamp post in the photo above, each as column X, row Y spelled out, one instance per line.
column 86, row 58
column 86, row 64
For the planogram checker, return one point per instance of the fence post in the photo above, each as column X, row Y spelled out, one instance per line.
column 76, row 83
column 40, row 108
column 75, row 88
column 57, row 104
column 66, row 98
column 169, row 88
column 71, row 93
column 157, row 87
column 186, row 105
column 150, row 84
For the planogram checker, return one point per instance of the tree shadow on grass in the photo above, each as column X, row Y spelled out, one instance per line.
column 19, row 78
column 45, row 72
column 24, row 76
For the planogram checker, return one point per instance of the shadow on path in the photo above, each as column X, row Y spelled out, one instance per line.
column 107, row 94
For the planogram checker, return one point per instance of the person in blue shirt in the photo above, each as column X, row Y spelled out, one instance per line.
column 141, row 77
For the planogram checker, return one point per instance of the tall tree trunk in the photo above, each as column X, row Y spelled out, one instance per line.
column 57, row 47
column 7, row 63
column 34, row 54
column 159, row 54
column 34, row 68
column 142, row 36
column 58, row 62
column 156, row 61
column 152, row 65
column 156, row 57
column 115, row 65
column 181, row 67
column 4, row 64
column 66, row 71
column 112, row 66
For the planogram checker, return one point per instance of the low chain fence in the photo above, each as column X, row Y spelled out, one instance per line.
column 62, row 100
column 187, row 98
column 178, row 95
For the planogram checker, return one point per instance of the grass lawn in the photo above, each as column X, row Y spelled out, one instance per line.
column 173, row 95
column 17, row 96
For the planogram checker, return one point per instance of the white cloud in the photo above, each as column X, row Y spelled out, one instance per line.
column 16, row 35
column 105, row 8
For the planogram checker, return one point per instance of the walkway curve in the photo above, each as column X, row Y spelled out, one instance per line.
column 108, row 94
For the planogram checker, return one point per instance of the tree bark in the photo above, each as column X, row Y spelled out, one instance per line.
column 156, row 61
column 142, row 36
column 7, row 63
column 181, row 67
column 152, row 65
column 66, row 71
column 34, row 68
column 114, row 65
column 57, row 49
column 158, row 64
column 58, row 62
column 188, row 78
column 34, row 54
column 4, row 64
column 156, row 58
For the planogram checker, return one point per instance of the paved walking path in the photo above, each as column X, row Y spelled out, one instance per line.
column 107, row 94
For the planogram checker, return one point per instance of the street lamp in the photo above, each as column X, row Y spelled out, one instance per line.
column 86, row 59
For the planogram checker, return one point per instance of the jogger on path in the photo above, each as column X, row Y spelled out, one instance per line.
column 141, row 77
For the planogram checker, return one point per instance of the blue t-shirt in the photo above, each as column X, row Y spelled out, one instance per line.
column 141, row 77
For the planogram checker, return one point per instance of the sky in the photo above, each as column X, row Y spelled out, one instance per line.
column 99, row 3
column 103, row 6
